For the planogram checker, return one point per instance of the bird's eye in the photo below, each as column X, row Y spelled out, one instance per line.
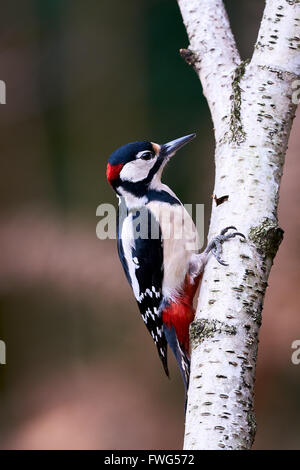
column 146, row 155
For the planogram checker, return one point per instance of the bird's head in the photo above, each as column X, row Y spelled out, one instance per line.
column 133, row 167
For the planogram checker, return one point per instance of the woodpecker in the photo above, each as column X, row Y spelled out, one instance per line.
column 163, row 264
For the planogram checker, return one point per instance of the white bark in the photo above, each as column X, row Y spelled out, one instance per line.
column 252, row 110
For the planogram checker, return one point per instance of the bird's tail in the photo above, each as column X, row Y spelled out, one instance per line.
column 181, row 356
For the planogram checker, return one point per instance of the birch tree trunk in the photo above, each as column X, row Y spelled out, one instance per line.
column 252, row 108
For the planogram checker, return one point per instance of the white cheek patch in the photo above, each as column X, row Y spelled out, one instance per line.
column 137, row 170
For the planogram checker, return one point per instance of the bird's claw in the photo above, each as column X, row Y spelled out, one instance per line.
column 215, row 246
column 217, row 254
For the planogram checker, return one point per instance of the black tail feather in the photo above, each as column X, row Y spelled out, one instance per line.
column 162, row 349
column 182, row 359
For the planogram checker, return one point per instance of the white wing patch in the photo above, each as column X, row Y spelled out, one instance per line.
column 128, row 243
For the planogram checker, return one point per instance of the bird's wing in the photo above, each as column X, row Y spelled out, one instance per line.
column 142, row 260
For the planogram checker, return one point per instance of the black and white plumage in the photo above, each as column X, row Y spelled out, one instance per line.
column 156, row 266
column 158, row 245
column 142, row 260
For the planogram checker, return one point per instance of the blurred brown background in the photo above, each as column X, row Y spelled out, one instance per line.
column 84, row 77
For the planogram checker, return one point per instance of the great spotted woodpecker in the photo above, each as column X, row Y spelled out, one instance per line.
column 161, row 260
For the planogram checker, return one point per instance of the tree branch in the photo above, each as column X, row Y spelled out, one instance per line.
column 252, row 109
column 278, row 40
column 215, row 54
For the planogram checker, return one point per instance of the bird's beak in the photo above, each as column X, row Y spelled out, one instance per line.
column 169, row 149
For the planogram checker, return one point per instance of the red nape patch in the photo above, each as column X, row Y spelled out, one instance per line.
column 113, row 171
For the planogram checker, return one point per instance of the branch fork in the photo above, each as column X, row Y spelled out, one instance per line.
column 252, row 112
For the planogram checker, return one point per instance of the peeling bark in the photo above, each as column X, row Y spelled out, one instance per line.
column 252, row 111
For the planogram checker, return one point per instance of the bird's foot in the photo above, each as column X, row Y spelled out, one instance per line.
column 199, row 260
column 215, row 246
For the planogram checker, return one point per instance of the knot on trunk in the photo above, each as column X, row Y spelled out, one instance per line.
column 188, row 55
column 266, row 237
column 204, row 328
